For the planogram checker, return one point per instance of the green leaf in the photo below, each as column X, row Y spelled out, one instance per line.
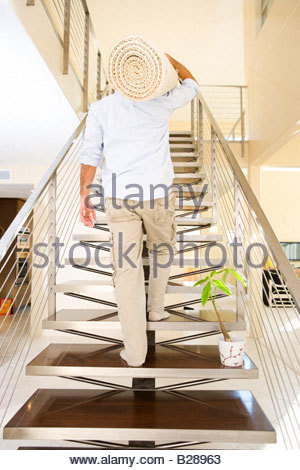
column 225, row 275
column 198, row 283
column 212, row 273
column 220, row 284
column 239, row 276
column 206, row 293
column 221, row 271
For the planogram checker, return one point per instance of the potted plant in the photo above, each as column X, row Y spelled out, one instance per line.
column 231, row 349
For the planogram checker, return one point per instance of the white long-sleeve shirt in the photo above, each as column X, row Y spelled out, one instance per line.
column 132, row 140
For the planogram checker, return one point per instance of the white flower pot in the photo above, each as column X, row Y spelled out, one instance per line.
column 232, row 352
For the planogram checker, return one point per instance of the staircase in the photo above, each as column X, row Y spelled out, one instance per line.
column 178, row 398
column 144, row 414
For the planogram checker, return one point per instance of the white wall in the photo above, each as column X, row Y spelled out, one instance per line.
column 273, row 76
column 36, row 117
column 205, row 35
column 280, row 195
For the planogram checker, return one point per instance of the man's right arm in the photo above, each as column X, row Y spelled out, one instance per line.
column 186, row 92
column 182, row 71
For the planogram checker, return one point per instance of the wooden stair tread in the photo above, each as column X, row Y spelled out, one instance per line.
column 215, row 415
column 164, row 361
column 83, row 447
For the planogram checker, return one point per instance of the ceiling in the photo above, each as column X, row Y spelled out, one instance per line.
column 18, row 191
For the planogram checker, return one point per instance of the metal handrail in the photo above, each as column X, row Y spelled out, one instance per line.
column 231, row 133
column 86, row 64
column 280, row 257
column 223, row 86
column 14, row 228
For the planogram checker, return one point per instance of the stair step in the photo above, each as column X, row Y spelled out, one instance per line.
column 82, row 447
column 192, row 190
column 185, row 205
column 184, row 154
column 92, row 235
column 210, row 415
column 193, row 176
column 86, row 286
column 183, row 140
column 107, row 319
column 103, row 259
column 187, row 164
column 185, row 221
column 162, row 361
column 182, row 147
column 180, row 133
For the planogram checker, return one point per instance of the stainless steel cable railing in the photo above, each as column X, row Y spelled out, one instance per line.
column 271, row 304
column 228, row 104
column 49, row 212
column 74, row 30
column 47, row 217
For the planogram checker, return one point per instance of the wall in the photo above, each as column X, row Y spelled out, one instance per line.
column 207, row 36
column 37, row 24
column 280, row 196
column 272, row 71
column 282, row 171
column 36, row 117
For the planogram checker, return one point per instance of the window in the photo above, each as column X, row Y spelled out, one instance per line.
column 292, row 250
column 264, row 9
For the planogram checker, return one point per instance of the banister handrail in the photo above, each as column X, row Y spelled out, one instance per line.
column 12, row 231
column 235, row 125
column 286, row 269
column 222, row 86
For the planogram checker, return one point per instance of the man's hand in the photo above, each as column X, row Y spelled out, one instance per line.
column 87, row 214
column 182, row 71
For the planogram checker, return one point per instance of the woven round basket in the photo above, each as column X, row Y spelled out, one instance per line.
column 139, row 70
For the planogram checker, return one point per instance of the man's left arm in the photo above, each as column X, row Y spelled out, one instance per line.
column 90, row 158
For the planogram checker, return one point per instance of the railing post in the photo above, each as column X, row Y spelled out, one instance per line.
column 239, row 228
column 200, row 129
column 242, row 123
column 66, row 43
column 213, row 157
column 86, row 62
column 192, row 117
column 51, row 248
column 98, row 75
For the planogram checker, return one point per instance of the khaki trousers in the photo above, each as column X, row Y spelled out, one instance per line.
column 126, row 222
